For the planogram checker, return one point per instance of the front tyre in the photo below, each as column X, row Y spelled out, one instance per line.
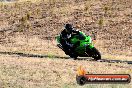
column 96, row 54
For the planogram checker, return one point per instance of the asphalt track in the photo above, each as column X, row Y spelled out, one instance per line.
column 55, row 56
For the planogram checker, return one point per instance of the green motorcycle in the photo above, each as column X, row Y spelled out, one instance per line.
column 85, row 48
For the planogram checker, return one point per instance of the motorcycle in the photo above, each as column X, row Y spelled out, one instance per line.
column 85, row 47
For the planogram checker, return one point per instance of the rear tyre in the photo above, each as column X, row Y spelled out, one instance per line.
column 96, row 54
column 60, row 46
column 73, row 55
column 67, row 52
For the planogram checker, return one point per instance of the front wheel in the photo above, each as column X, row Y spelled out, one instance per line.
column 96, row 54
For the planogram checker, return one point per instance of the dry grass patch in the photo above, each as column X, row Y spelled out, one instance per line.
column 16, row 71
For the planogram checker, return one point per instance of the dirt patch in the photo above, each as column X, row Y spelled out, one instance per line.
column 109, row 22
column 24, row 72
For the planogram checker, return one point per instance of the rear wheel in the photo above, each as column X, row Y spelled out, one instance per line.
column 96, row 54
column 73, row 55
column 60, row 46
column 67, row 52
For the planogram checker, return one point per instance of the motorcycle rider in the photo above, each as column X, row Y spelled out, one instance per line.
column 65, row 38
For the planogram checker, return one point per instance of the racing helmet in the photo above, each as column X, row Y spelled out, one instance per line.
column 68, row 28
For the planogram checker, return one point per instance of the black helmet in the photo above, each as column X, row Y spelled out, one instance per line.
column 68, row 27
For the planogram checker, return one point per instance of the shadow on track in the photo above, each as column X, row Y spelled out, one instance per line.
column 115, row 61
column 33, row 55
column 111, row 61
column 54, row 56
column 106, row 60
